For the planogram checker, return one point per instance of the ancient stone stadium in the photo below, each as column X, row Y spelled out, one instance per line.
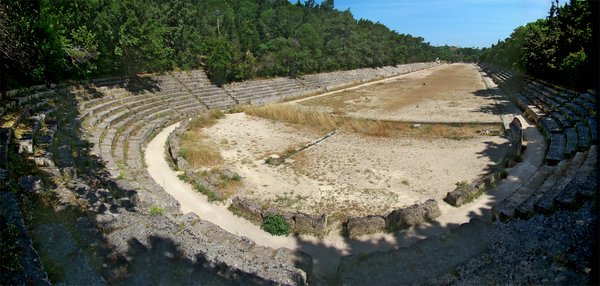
column 476, row 167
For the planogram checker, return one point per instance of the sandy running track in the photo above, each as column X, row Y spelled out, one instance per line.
column 326, row 251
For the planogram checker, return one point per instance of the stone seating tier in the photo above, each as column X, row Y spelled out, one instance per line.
column 592, row 123
column 556, row 148
column 584, row 139
column 506, row 208
column 571, row 144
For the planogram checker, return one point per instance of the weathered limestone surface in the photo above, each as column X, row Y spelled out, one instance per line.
column 365, row 225
column 413, row 215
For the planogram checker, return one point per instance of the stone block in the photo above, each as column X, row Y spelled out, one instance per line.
column 247, row 209
column 413, row 215
column 310, row 224
column 365, row 225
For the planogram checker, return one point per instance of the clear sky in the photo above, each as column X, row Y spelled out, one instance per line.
column 463, row 23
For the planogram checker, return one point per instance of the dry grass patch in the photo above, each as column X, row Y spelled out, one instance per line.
column 196, row 148
column 326, row 122
column 319, row 120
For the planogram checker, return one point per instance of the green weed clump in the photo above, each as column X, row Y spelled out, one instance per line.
column 211, row 195
column 157, row 210
column 276, row 225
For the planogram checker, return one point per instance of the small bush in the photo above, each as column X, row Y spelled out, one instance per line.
column 157, row 210
column 276, row 225
column 183, row 153
column 183, row 177
column 212, row 196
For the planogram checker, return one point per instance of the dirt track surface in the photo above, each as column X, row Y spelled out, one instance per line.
column 347, row 174
column 326, row 251
column 449, row 93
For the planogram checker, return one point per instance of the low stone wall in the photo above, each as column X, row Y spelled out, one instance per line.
column 397, row 219
column 464, row 194
column 300, row 222
column 204, row 243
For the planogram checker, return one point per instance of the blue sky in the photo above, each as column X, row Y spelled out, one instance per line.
column 463, row 23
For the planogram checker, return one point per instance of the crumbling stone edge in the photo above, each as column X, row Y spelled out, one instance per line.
column 300, row 223
column 466, row 193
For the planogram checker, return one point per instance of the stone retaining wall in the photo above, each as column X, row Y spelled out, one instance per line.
column 397, row 219
column 300, row 222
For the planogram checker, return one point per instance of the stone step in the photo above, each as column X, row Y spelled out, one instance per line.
column 571, row 144
column 526, row 208
column 592, row 123
column 556, row 149
column 545, row 203
column 578, row 109
column 588, row 105
column 579, row 189
column 549, row 125
column 562, row 120
column 506, row 208
column 584, row 140
column 569, row 114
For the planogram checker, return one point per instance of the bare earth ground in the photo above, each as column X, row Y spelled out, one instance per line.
column 347, row 174
column 414, row 169
column 449, row 93
column 353, row 175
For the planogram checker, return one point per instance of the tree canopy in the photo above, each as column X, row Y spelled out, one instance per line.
column 50, row 40
column 562, row 48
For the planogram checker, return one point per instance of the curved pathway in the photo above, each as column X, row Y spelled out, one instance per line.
column 326, row 251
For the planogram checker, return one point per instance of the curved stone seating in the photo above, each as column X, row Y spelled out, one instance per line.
column 559, row 110
column 198, row 85
column 564, row 116
column 266, row 90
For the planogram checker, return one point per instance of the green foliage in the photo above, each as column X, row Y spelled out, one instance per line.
column 182, row 152
column 232, row 40
column 210, row 194
column 157, row 210
column 276, row 225
column 560, row 48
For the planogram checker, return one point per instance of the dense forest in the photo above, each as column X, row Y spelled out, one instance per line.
column 562, row 48
column 52, row 40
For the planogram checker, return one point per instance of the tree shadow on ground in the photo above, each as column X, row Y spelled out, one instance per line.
column 501, row 104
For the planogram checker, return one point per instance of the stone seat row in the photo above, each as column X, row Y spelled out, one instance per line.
column 564, row 116
column 547, row 189
column 29, row 123
column 110, row 135
column 570, row 129
column 567, row 124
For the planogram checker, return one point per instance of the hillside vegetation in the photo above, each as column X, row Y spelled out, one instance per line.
column 51, row 40
column 562, row 48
